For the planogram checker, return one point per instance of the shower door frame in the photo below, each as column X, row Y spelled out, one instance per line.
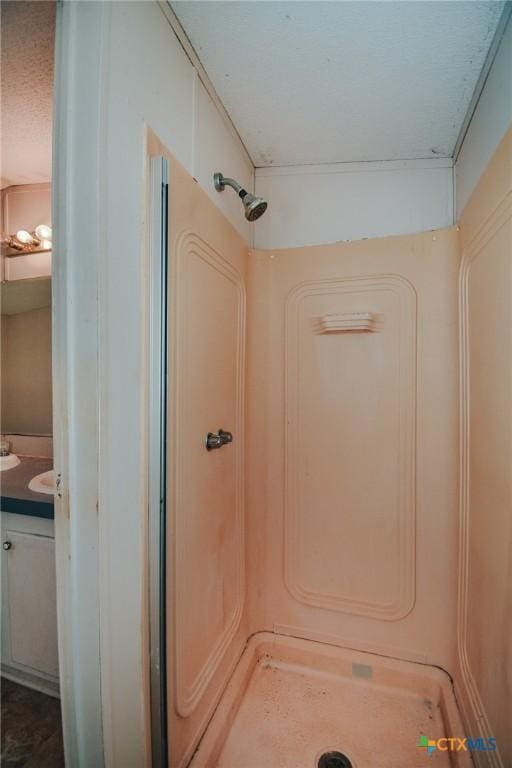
column 157, row 455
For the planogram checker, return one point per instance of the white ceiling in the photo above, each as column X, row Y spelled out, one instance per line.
column 28, row 31
column 319, row 82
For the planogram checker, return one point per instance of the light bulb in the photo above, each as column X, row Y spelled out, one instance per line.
column 43, row 232
column 24, row 237
column 45, row 245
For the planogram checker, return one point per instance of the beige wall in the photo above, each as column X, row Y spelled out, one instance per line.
column 484, row 676
column 352, row 445
column 26, row 372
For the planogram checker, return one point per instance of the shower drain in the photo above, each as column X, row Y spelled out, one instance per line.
column 334, row 760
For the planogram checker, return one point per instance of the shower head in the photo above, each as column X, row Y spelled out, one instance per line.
column 254, row 206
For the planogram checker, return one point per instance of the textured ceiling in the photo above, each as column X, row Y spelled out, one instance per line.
column 316, row 82
column 27, row 37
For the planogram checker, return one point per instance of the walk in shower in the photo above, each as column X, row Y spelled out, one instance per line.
column 308, row 606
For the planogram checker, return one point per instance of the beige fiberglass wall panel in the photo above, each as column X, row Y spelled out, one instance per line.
column 352, row 452
column 357, row 383
column 206, row 577
column 485, row 622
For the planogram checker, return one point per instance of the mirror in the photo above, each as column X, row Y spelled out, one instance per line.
column 23, row 295
column 26, row 357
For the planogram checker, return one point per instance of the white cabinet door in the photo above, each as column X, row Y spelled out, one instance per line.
column 29, row 604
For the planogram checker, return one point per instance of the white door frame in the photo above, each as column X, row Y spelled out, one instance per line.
column 101, row 512
column 101, row 315
column 76, row 254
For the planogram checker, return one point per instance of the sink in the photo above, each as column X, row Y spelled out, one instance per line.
column 9, row 461
column 43, row 483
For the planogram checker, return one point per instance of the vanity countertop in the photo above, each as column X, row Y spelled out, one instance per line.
column 15, row 493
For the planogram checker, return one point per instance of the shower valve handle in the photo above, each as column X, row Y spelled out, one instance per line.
column 217, row 440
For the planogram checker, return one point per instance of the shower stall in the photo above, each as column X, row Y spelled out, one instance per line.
column 313, row 547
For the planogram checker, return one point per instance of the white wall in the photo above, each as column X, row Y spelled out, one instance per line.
column 349, row 201
column 310, row 205
column 151, row 80
column 490, row 122
column 120, row 69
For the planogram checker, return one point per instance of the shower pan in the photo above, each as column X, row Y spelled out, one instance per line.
column 304, row 594
column 293, row 702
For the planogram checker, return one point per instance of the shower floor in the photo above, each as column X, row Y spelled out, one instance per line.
column 292, row 700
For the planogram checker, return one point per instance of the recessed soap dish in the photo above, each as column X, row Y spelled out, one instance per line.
column 347, row 321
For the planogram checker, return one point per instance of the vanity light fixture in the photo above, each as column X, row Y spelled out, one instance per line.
column 29, row 242
column 43, row 232
column 24, row 237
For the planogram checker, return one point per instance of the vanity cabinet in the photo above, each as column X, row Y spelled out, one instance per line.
column 29, row 605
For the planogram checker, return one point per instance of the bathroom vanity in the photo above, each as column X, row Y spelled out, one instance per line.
column 29, row 613
column 17, row 497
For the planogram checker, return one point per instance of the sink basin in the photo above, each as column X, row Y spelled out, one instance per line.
column 9, row 461
column 43, row 483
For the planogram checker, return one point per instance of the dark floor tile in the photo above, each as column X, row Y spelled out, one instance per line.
column 31, row 728
column 49, row 754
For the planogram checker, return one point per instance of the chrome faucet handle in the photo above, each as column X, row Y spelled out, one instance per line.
column 213, row 441
column 217, row 440
column 226, row 437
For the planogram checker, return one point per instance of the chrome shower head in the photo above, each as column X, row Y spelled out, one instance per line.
column 254, row 206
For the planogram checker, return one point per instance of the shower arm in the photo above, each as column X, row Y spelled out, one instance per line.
column 221, row 182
